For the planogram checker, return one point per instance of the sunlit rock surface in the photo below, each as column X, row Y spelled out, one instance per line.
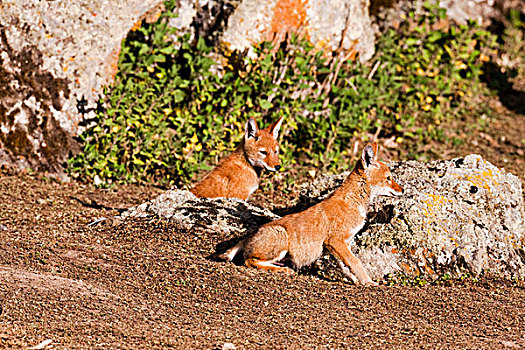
column 53, row 54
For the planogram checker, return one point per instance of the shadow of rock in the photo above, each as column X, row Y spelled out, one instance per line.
column 499, row 81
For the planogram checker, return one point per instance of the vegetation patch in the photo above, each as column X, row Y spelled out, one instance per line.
column 177, row 105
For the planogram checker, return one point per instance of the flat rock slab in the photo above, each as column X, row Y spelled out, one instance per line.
column 188, row 212
column 456, row 216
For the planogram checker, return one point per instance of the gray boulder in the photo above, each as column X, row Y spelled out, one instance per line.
column 456, row 216
column 331, row 25
column 53, row 53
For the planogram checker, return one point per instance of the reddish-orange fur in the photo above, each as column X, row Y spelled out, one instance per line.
column 238, row 174
column 331, row 224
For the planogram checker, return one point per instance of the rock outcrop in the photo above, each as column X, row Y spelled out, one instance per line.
column 456, row 216
column 331, row 25
column 53, row 54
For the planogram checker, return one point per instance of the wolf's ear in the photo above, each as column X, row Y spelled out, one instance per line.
column 275, row 127
column 376, row 150
column 251, row 130
column 369, row 154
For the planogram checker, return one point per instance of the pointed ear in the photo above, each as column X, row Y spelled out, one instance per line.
column 375, row 147
column 275, row 127
column 369, row 155
column 250, row 130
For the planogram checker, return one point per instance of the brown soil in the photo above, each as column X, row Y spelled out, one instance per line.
column 147, row 285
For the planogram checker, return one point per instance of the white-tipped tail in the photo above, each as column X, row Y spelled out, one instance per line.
column 230, row 254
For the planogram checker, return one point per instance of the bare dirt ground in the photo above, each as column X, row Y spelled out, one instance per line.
column 147, row 285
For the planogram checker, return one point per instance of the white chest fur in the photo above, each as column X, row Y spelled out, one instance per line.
column 353, row 232
column 252, row 189
column 362, row 210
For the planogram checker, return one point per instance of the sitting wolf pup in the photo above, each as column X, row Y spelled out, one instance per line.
column 238, row 174
column 332, row 223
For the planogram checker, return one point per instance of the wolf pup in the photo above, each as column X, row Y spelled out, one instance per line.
column 238, row 174
column 332, row 223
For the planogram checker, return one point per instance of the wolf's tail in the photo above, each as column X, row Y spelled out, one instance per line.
column 230, row 254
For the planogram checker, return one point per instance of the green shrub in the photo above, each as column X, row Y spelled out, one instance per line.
column 438, row 67
column 173, row 111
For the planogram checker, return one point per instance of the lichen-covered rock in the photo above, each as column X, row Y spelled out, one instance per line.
column 461, row 215
column 53, row 53
column 330, row 25
column 342, row 25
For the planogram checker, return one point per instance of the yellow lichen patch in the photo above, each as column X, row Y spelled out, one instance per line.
column 434, row 202
column 436, row 199
column 484, row 179
column 433, row 210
